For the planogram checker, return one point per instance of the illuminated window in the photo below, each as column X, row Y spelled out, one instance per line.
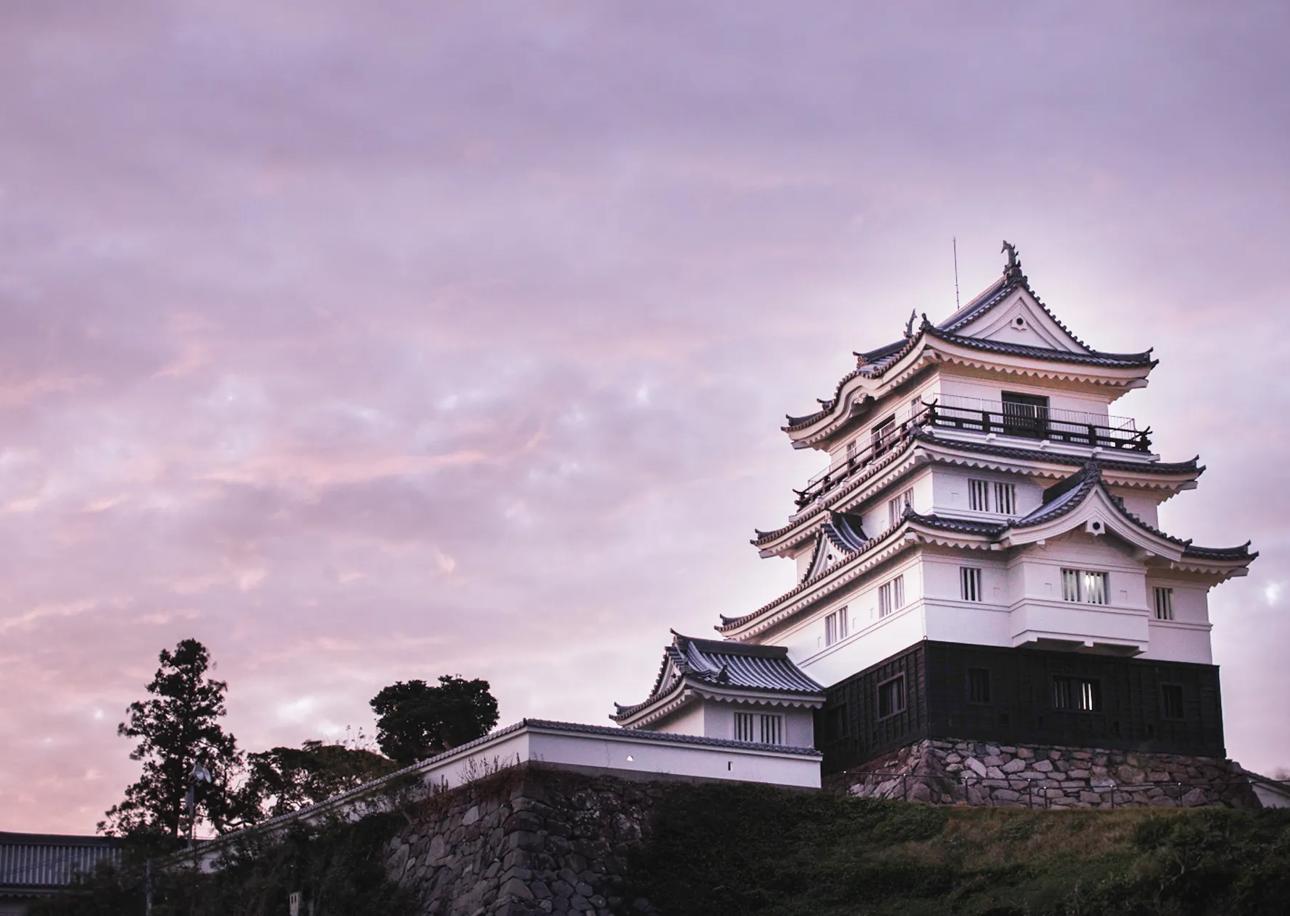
column 1077, row 693
column 1084, row 586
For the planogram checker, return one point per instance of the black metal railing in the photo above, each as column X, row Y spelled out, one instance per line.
column 1023, row 421
column 1029, row 422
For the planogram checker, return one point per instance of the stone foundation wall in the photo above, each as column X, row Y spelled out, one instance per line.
column 982, row 773
column 524, row 841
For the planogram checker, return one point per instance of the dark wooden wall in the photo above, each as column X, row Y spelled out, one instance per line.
column 848, row 730
column 1021, row 708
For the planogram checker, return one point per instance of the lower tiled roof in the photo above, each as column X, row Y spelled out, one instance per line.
column 725, row 664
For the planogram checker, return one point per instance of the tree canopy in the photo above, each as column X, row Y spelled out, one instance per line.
column 284, row 779
column 416, row 720
column 179, row 735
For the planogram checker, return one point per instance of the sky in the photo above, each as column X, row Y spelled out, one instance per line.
column 375, row 341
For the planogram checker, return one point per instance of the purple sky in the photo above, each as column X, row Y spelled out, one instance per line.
column 375, row 345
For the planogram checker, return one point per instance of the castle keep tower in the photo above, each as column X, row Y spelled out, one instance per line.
column 981, row 559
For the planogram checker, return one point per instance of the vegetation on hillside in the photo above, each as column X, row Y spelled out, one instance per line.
column 732, row 849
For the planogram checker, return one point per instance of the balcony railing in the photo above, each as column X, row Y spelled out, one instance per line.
column 1024, row 421
column 1033, row 421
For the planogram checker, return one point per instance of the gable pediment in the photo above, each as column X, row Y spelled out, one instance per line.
column 1020, row 319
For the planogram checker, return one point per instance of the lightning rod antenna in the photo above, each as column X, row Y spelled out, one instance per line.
column 955, row 242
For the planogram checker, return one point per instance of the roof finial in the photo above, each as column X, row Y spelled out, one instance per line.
column 909, row 325
column 1013, row 269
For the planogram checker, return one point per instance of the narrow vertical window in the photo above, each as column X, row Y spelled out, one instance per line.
column 835, row 626
column 1164, row 603
column 979, row 495
column 970, row 583
column 772, row 729
column 1070, row 585
column 891, row 596
column 896, row 507
column 1094, row 587
column 883, row 436
column 1005, row 498
column 851, row 450
column 978, row 685
column 744, row 726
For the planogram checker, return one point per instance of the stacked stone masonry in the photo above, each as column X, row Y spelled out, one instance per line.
column 526, row 841
column 957, row 772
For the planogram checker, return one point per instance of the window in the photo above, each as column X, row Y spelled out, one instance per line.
column 915, row 406
column 1171, row 701
column 835, row 626
column 979, row 495
column 883, row 435
column 891, row 596
column 896, row 507
column 1164, row 603
column 978, row 681
column 1084, row 586
column 772, row 729
column 1005, row 498
column 1077, row 693
column 744, row 726
column 970, row 583
column 836, row 722
column 891, row 697
column 1025, row 415
column 851, row 450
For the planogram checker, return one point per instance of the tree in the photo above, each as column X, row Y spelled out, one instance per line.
column 284, row 779
column 180, row 742
column 417, row 720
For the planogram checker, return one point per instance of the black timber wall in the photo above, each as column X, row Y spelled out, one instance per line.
column 1020, row 709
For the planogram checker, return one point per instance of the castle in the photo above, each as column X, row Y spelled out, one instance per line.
column 980, row 560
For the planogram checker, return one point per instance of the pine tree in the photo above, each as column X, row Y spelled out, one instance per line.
column 179, row 734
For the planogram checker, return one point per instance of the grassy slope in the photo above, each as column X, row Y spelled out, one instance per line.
column 730, row 849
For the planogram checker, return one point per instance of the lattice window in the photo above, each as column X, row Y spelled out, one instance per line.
column 835, row 626
column 896, row 507
column 744, row 722
column 1164, row 603
column 1077, row 693
column 970, row 583
column 979, row 495
column 891, row 596
column 772, row 728
column 891, row 696
column 1084, row 586
column 1005, row 498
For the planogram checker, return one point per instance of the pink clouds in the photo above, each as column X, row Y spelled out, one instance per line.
column 325, row 335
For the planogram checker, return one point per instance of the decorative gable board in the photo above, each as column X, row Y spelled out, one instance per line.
column 1019, row 319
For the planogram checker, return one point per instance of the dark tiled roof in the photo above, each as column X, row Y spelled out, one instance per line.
column 1059, row 499
column 1034, row 454
column 1002, row 451
column 725, row 664
column 874, row 363
column 38, row 860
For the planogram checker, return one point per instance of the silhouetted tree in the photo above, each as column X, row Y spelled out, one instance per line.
column 179, row 735
column 284, row 779
column 416, row 720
